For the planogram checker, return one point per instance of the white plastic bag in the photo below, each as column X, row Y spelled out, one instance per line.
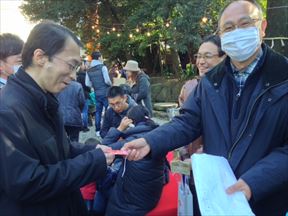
column 185, row 198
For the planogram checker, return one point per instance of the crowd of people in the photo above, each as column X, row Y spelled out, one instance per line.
column 236, row 108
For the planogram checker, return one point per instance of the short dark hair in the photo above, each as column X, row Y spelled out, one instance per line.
column 96, row 55
column 48, row 36
column 254, row 2
column 115, row 91
column 215, row 39
column 126, row 88
column 10, row 45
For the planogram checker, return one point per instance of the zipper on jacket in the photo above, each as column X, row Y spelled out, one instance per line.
column 248, row 119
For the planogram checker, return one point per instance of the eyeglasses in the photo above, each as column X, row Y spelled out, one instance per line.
column 117, row 104
column 73, row 68
column 205, row 56
column 243, row 23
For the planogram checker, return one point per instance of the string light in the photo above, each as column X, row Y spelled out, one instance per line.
column 113, row 29
column 93, row 27
column 204, row 19
column 130, row 35
column 167, row 24
column 137, row 30
column 118, row 35
column 148, row 34
column 98, row 31
column 108, row 32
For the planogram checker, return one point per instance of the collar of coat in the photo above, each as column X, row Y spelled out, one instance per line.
column 273, row 67
column 47, row 101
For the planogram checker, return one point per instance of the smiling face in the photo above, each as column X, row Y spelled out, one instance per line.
column 59, row 71
column 207, row 57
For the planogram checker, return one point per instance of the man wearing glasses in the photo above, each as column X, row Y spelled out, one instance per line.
column 241, row 109
column 40, row 170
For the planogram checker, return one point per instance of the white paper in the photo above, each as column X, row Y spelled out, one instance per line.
column 212, row 176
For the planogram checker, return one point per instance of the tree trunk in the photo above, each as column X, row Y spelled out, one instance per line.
column 277, row 17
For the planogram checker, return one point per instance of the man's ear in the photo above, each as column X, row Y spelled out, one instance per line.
column 263, row 28
column 39, row 57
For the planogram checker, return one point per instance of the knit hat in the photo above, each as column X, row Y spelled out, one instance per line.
column 138, row 114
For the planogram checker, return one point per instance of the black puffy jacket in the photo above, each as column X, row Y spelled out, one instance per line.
column 137, row 189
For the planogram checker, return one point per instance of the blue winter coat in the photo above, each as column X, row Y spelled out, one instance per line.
column 139, row 189
column 71, row 102
column 251, row 131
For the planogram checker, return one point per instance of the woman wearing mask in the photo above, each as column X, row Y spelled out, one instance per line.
column 10, row 56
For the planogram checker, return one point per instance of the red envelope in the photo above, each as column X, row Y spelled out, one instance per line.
column 118, row 152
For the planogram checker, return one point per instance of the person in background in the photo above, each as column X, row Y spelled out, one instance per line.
column 209, row 55
column 10, row 56
column 139, row 184
column 71, row 102
column 100, row 80
column 240, row 107
column 119, row 104
column 41, row 171
column 81, row 79
column 140, row 82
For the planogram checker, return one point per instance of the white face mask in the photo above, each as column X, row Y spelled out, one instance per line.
column 241, row 44
column 15, row 68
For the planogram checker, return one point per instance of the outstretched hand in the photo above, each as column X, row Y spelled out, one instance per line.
column 137, row 149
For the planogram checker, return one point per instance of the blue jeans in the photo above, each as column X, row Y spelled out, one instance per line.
column 85, row 114
column 101, row 101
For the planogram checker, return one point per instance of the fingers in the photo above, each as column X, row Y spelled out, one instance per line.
column 242, row 186
column 104, row 148
column 109, row 158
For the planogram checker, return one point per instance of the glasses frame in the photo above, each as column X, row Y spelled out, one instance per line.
column 74, row 68
column 198, row 56
column 252, row 22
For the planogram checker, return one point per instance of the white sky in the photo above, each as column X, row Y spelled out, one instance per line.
column 11, row 19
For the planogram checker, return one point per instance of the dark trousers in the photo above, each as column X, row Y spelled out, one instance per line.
column 101, row 101
column 73, row 133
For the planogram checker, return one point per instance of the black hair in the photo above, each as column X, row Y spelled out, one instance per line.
column 139, row 114
column 254, row 2
column 96, row 55
column 48, row 36
column 115, row 91
column 215, row 39
column 91, row 140
column 10, row 45
column 126, row 88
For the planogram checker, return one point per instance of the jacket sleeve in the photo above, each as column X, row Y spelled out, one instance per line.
column 181, row 131
column 80, row 148
column 106, row 76
column 25, row 178
column 144, row 85
column 81, row 97
column 269, row 174
column 105, row 124
column 112, row 136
